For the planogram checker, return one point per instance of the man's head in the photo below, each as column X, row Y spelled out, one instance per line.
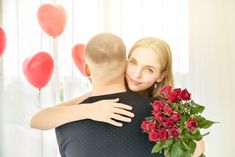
column 105, row 58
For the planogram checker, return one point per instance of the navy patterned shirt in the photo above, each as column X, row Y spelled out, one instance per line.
column 88, row 138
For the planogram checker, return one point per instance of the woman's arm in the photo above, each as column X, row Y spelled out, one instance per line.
column 105, row 111
column 57, row 115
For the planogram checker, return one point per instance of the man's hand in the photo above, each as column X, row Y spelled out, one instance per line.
column 110, row 111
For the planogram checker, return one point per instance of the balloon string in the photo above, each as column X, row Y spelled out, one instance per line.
column 39, row 98
column 42, row 144
column 41, row 132
column 1, row 69
column 55, row 82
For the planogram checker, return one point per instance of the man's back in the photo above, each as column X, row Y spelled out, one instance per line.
column 89, row 138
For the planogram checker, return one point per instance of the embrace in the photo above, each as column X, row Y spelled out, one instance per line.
column 106, row 122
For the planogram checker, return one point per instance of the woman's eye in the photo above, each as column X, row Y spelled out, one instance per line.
column 149, row 70
column 131, row 62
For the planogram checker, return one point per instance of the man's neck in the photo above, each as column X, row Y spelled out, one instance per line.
column 108, row 89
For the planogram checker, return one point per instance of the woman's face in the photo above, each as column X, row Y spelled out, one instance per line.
column 143, row 69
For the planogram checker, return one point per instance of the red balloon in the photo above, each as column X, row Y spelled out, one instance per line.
column 2, row 41
column 38, row 69
column 78, row 56
column 52, row 19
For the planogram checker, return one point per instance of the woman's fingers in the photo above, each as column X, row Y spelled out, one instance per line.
column 115, row 123
column 123, row 112
column 112, row 112
column 114, row 103
column 120, row 118
column 123, row 106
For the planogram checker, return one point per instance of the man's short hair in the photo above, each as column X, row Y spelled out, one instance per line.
column 105, row 48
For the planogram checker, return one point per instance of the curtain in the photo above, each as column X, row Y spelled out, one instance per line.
column 211, row 69
column 130, row 19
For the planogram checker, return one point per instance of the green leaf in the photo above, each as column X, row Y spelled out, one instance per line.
column 157, row 147
column 198, row 107
column 149, row 118
column 197, row 136
column 167, row 143
column 177, row 150
column 202, row 155
column 187, row 154
column 204, row 123
column 192, row 146
column 206, row 134
column 167, row 151
column 182, row 122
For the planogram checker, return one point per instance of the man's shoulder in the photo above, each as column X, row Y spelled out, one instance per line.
column 140, row 102
column 124, row 97
column 137, row 96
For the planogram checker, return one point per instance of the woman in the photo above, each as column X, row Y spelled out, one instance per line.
column 149, row 68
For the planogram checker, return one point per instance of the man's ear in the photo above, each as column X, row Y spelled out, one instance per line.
column 86, row 70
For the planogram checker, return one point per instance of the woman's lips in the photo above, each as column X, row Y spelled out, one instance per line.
column 134, row 82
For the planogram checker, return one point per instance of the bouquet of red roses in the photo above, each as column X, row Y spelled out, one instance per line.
column 175, row 123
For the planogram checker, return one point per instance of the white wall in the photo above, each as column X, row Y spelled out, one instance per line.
column 210, row 79
column 211, row 75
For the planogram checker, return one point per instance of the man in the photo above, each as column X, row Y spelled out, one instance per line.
column 105, row 59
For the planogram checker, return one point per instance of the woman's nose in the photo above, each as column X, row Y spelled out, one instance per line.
column 137, row 73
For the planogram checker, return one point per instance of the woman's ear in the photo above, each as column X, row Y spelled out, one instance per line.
column 86, row 70
column 161, row 77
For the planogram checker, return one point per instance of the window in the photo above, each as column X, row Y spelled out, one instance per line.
column 130, row 19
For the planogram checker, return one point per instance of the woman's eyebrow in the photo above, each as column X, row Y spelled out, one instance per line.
column 132, row 58
column 149, row 66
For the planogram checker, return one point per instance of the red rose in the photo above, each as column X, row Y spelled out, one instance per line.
column 184, row 95
column 175, row 132
column 157, row 115
column 157, row 105
column 191, row 124
column 169, row 122
column 144, row 125
column 165, row 122
column 148, row 126
column 163, row 134
column 154, row 136
column 175, row 116
column 172, row 96
column 177, row 90
column 167, row 109
column 152, row 126
column 162, row 121
column 173, row 122
column 165, row 90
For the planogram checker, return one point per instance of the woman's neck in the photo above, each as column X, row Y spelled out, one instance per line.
column 148, row 92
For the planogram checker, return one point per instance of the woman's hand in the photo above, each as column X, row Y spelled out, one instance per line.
column 200, row 148
column 110, row 111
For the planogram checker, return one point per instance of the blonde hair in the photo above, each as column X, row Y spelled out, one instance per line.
column 162, row 49
column 106, row 53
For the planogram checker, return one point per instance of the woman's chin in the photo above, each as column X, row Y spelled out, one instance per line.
column 134, row 88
